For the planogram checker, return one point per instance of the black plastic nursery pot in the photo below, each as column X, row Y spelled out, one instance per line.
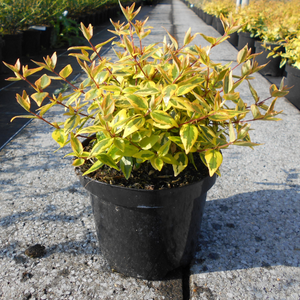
column 147, row 233
column 244, row 39
column 293, row 80
column 233, row 39
column 13, row 47
column 272, row 68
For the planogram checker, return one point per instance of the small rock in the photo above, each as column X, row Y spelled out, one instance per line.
column 213, row 256
column 26, row 276
column 35, row 251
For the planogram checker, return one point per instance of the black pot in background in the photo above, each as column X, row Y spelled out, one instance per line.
column 46, row 37
column 272, row 68
column 220, row 27
column 200, row 13
column 214, row 22
column 208, row 19
column 244, row 39
column 147, row 233
column 31, row 42
column 293, row 79
column 12, row 49
column 234, row 39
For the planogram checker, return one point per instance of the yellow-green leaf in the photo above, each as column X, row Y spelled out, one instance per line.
column 78, row 162
column 213, row 160
column 134, row 125
column 101, row 146
column 24, row 100
column 71, row 123
column 144, row 155
column 59, row 136
column 91, row 129
column 157, row 163
column 164, row 149
column 182, row 162
column 162, row 117
column 185, row 89
column 66, row 71
column 76, row 145
column 107, row 160
column 137, row 102
column 126, row 164
column 97, row 165
column 149, row 142
column 188, row 134
column 119, row 143
column 39, row 97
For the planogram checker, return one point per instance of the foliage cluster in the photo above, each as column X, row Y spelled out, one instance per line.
column 272, row 21
column 16, row 15
column 159, row 104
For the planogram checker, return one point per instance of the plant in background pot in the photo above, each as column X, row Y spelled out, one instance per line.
column 147, row 130
column 291, row 59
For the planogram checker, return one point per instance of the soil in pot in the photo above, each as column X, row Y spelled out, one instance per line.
column 272, row 68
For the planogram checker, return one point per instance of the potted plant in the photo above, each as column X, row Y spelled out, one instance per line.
column 291, row 59
column 11, row 22
column 146, row 132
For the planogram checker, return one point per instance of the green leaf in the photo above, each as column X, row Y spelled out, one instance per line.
column 107, row 160
column 213, row 160
column 188, row 134
column 97, row 165
column 101, row 146
column 66, row 71
column 119, row 143
column 149, row 142
column 144, row 155
column 162, row 117
column 134, row 125
column 126, row 164
column 59, row 136
column 182, row 162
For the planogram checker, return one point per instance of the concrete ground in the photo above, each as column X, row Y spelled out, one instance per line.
column 249, row 247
